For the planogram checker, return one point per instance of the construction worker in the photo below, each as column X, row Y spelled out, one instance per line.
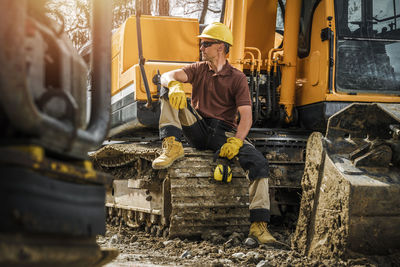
column 220, row 91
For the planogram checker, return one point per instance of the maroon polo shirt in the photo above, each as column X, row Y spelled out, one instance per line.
column 218, row 95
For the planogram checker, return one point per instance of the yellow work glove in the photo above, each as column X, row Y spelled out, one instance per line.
column 231, row 147
column 177, row 97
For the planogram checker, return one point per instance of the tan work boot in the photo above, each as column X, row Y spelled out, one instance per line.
column 259, row 232
column 172, row 150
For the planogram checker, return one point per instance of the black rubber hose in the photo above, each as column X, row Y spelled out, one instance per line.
column 269, row 100
column 257, row 105
column 142, row 61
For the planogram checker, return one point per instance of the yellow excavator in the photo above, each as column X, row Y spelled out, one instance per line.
column 332, row 78
column 52, row 199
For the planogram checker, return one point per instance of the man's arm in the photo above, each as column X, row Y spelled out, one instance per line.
column 245, row 122
column 173, row 75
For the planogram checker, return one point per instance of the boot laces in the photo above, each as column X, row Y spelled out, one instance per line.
column 167, row 146
column 263, row 226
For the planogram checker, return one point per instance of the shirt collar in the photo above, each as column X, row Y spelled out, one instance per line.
column 226, row 69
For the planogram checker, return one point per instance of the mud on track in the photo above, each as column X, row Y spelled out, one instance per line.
column 138, row 248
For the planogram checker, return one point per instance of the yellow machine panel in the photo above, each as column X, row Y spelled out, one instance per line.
column 151, row 69
column 312, row 70
column 261, row 22
column 163, row 39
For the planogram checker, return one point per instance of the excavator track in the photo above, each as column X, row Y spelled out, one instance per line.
column 183, row 200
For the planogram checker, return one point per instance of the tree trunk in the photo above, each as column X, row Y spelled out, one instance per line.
column 143, row 7
column 203, row 12
column 222, row 16
column 163, row 7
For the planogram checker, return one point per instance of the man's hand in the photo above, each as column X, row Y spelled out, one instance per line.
column 177, row 97
column 231, row 147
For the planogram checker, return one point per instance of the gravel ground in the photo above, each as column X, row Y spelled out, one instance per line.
column 138, row 248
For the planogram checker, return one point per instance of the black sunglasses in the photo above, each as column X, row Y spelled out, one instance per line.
column 206, row 44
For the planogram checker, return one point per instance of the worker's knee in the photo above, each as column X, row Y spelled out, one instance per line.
column 254, row 162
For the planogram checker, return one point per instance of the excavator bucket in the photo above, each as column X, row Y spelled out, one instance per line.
column 351, row 185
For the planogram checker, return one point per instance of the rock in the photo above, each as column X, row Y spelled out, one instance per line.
column 114, row 239
column 296, row 254
column 263, row 263
column 179, row 244
column 166, row 243
column 186, row 254
column 250, row 242
column 235, row 235
column 226, row 261
column 160, row 245
column 217, row 264
column 221, row 263
column 266, row 247
column 230, row 241
column 227, row 245
column 217, row 239
column 253, row 254
column 238, row 255
column 236, row 242
column 213, row 237
column 101, row 240
column 134, row 238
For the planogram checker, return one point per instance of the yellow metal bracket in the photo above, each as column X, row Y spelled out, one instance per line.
column 34, row 157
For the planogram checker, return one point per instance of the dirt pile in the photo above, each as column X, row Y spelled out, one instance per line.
column 141, row 249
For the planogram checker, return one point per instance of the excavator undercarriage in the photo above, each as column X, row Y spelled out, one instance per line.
column 185, row 200
column 182, row 200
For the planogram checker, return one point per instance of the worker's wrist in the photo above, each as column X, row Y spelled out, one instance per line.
column 240, row 138
column 235, row 140
column 174, row 83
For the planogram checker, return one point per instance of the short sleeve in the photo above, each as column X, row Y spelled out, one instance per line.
column 242, row 92
column 190, row 71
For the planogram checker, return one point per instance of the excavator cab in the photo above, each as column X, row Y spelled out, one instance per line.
column 346, row 53
column 367, row 47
